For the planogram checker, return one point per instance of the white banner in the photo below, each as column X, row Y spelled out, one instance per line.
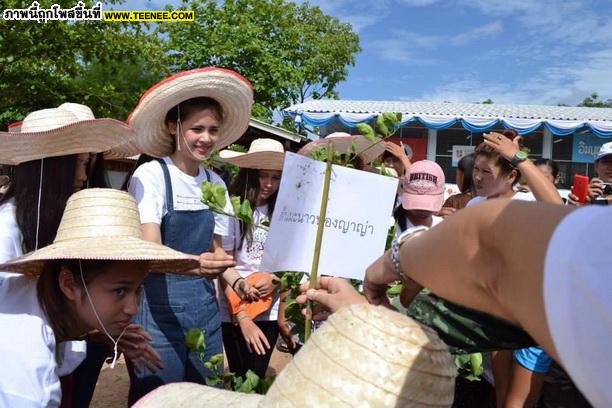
column 459, row 151
column 358, row 218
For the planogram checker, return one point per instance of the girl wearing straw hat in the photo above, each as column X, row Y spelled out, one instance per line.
column 88, row 279
column 55, row 152
column 250, row 329
column 181, row 120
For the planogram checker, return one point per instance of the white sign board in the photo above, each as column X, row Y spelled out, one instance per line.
column 459, row 151
column 358, row 219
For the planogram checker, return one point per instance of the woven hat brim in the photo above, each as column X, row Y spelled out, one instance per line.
column 160, row 257
column 231, row 90
column 367, row 355
column 190, row 394
column 87, row 136
column 368, row 151
column 255, row 160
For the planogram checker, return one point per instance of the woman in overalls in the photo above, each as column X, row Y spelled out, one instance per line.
column 181, row 119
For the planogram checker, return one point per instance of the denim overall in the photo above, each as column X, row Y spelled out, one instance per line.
column 172, row 304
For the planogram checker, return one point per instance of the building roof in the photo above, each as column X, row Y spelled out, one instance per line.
column 475, row 117
column 456, row 109
column 278, row 131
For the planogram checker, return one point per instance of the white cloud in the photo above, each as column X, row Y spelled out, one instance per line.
column 407, row 46
column 573, row 22
column 564, row 83
column 360, row 14
column 417, row 3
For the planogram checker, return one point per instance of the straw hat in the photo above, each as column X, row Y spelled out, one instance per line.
column 365, row 355
column 263, row 154
column 230, row 89
column 367, row 150
column 189, row 394
column 101, row 224
column 68, row 129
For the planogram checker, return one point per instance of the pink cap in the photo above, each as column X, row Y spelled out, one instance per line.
column 423, row 187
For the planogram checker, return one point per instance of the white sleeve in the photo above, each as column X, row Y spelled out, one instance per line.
column 148, row 188
column 28, row 371
column 578, row 299
column 229, row 241
column 8, row 246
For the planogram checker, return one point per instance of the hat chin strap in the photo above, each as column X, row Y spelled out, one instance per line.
column 179, row 135
column 42, row 164
column 115, row 342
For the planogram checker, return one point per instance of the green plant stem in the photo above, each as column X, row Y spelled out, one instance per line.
column 219, row 211
column 314, row 270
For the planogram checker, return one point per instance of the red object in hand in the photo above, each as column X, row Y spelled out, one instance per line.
column 581, row 187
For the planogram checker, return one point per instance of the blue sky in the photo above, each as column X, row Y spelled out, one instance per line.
column 512, row 51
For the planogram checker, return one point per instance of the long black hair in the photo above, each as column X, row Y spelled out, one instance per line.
column 246, row 186
column 58, row 175
column 466, row 165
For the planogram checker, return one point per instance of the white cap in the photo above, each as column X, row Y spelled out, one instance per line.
column 605, row 150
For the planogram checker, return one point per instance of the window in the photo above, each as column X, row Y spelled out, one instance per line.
column 562, row 154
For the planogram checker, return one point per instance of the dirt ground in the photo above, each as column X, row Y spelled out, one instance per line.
column 112, row 387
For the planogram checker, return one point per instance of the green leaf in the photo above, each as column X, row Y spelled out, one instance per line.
column 194, row 339
column 366, row 130
column 395, row 290
column 382, row 126
column 212, row 381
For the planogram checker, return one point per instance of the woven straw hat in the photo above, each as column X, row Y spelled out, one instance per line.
column 366, row 356
column 101, row 224
column 190, row 394
column 68, row 129
column 368, row 151
column 230, row 89
column 263, row 154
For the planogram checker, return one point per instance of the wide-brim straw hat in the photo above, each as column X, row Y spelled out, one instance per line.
column 363, row 356
column 263, row 154
column 342, row 142
column 367, row 356
column 101, row 224
column 68, row 129
column 233, row 92
column 189, row 394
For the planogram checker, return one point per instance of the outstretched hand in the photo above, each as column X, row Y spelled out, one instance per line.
column 333, row 294
column 213, row 264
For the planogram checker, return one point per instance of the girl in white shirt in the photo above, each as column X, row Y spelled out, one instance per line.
column 498, row 166
column 249, row 340
column 87, row 279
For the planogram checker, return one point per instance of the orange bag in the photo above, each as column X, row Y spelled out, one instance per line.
column 253, row 309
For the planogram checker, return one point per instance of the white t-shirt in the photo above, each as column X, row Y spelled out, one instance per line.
column 578, row 299
column 149, row 189
column 435, row 221
column 248, row 258
column 31, row 362
column 10, row 234
column 524, row 196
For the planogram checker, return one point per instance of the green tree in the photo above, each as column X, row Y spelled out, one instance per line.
column 593, row 101
column 104, row 65
column 290, row 52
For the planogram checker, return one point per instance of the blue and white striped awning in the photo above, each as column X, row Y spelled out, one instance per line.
column 559, row 120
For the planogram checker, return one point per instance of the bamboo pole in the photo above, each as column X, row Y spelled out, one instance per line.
column 314, row 269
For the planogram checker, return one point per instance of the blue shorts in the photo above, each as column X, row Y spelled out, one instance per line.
column 533, row 359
